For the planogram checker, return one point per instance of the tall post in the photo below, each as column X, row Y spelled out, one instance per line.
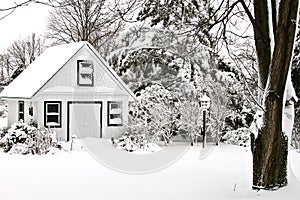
column 204, row 124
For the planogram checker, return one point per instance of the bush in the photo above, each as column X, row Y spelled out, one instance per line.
column 134, row 142
column 155, row 113
column 239, row 137
column 22, row 138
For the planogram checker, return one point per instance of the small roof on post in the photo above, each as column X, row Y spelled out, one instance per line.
column 205, row 101
column 205, row 98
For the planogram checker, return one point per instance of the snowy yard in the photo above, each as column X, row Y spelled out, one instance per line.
column 223, row 173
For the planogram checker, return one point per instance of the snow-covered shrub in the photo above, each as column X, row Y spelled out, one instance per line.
column 3, row 109
column 237, row 127
column 237, row 120
column 134, row 142
column 155, row 114
column 240, row 136
column 75, row 144
column 25, row 139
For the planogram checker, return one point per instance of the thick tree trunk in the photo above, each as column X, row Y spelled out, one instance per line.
column 271, row 146
column 270, row 152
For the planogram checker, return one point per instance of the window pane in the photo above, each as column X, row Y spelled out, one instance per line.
column 86, row 67
column 114, row 116
column 115, row 119
column 115, row 105
column 53, row 118
column 31, row 111
column 52, row 108
column 21, row 116
column 86, row 79
column 115, row 108
column 21, row 106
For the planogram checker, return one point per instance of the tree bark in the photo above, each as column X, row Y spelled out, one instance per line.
column 271, row 146
column 262, row 40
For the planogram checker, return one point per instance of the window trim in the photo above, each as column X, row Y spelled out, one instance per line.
column 21, row 112
column 78, row 73
column 108, row 113
column 59, row 113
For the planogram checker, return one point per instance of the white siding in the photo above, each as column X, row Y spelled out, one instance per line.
column 12, row 106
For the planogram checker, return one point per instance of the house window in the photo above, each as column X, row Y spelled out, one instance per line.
column 114, row 113
column 21, row 111
column 52, row 114
column 85, row 73
column 30, row 111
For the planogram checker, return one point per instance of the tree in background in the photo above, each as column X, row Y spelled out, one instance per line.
column 23, row 52
column 86, row 20
column 11, row 8
column 5, row 68
column 296, row 83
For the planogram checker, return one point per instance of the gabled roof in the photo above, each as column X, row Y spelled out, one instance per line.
column 38, row 73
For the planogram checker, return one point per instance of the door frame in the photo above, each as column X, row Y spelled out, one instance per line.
column 69, row 103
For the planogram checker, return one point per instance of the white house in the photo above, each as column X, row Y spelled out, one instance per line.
column 72, row 89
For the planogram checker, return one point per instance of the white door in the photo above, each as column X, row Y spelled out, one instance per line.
column 85, row 119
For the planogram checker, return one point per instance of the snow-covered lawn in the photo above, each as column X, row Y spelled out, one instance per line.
column 222, row 172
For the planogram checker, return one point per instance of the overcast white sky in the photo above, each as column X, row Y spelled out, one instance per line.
column 23, row 22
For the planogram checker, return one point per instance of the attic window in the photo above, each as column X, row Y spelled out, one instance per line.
column 52, row 114
column 85, row 73
column 115, row 113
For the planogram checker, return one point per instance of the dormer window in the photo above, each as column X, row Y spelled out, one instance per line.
column 85, row 73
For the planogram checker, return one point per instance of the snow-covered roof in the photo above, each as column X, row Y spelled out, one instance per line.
column 38, row 73
column 205, row 98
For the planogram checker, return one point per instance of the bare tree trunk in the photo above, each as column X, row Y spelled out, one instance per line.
column 262, row 41
column 271, row 146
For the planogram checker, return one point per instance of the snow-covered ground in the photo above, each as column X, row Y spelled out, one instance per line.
column 222, row 172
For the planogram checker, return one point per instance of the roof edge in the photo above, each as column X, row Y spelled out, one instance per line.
column 113, row 73
column 57, row 71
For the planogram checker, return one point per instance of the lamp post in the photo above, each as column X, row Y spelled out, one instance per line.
column 205, row 105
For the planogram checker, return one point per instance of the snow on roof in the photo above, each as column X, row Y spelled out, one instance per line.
column 29, row 82
column 204, row 98
column 40, row 71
